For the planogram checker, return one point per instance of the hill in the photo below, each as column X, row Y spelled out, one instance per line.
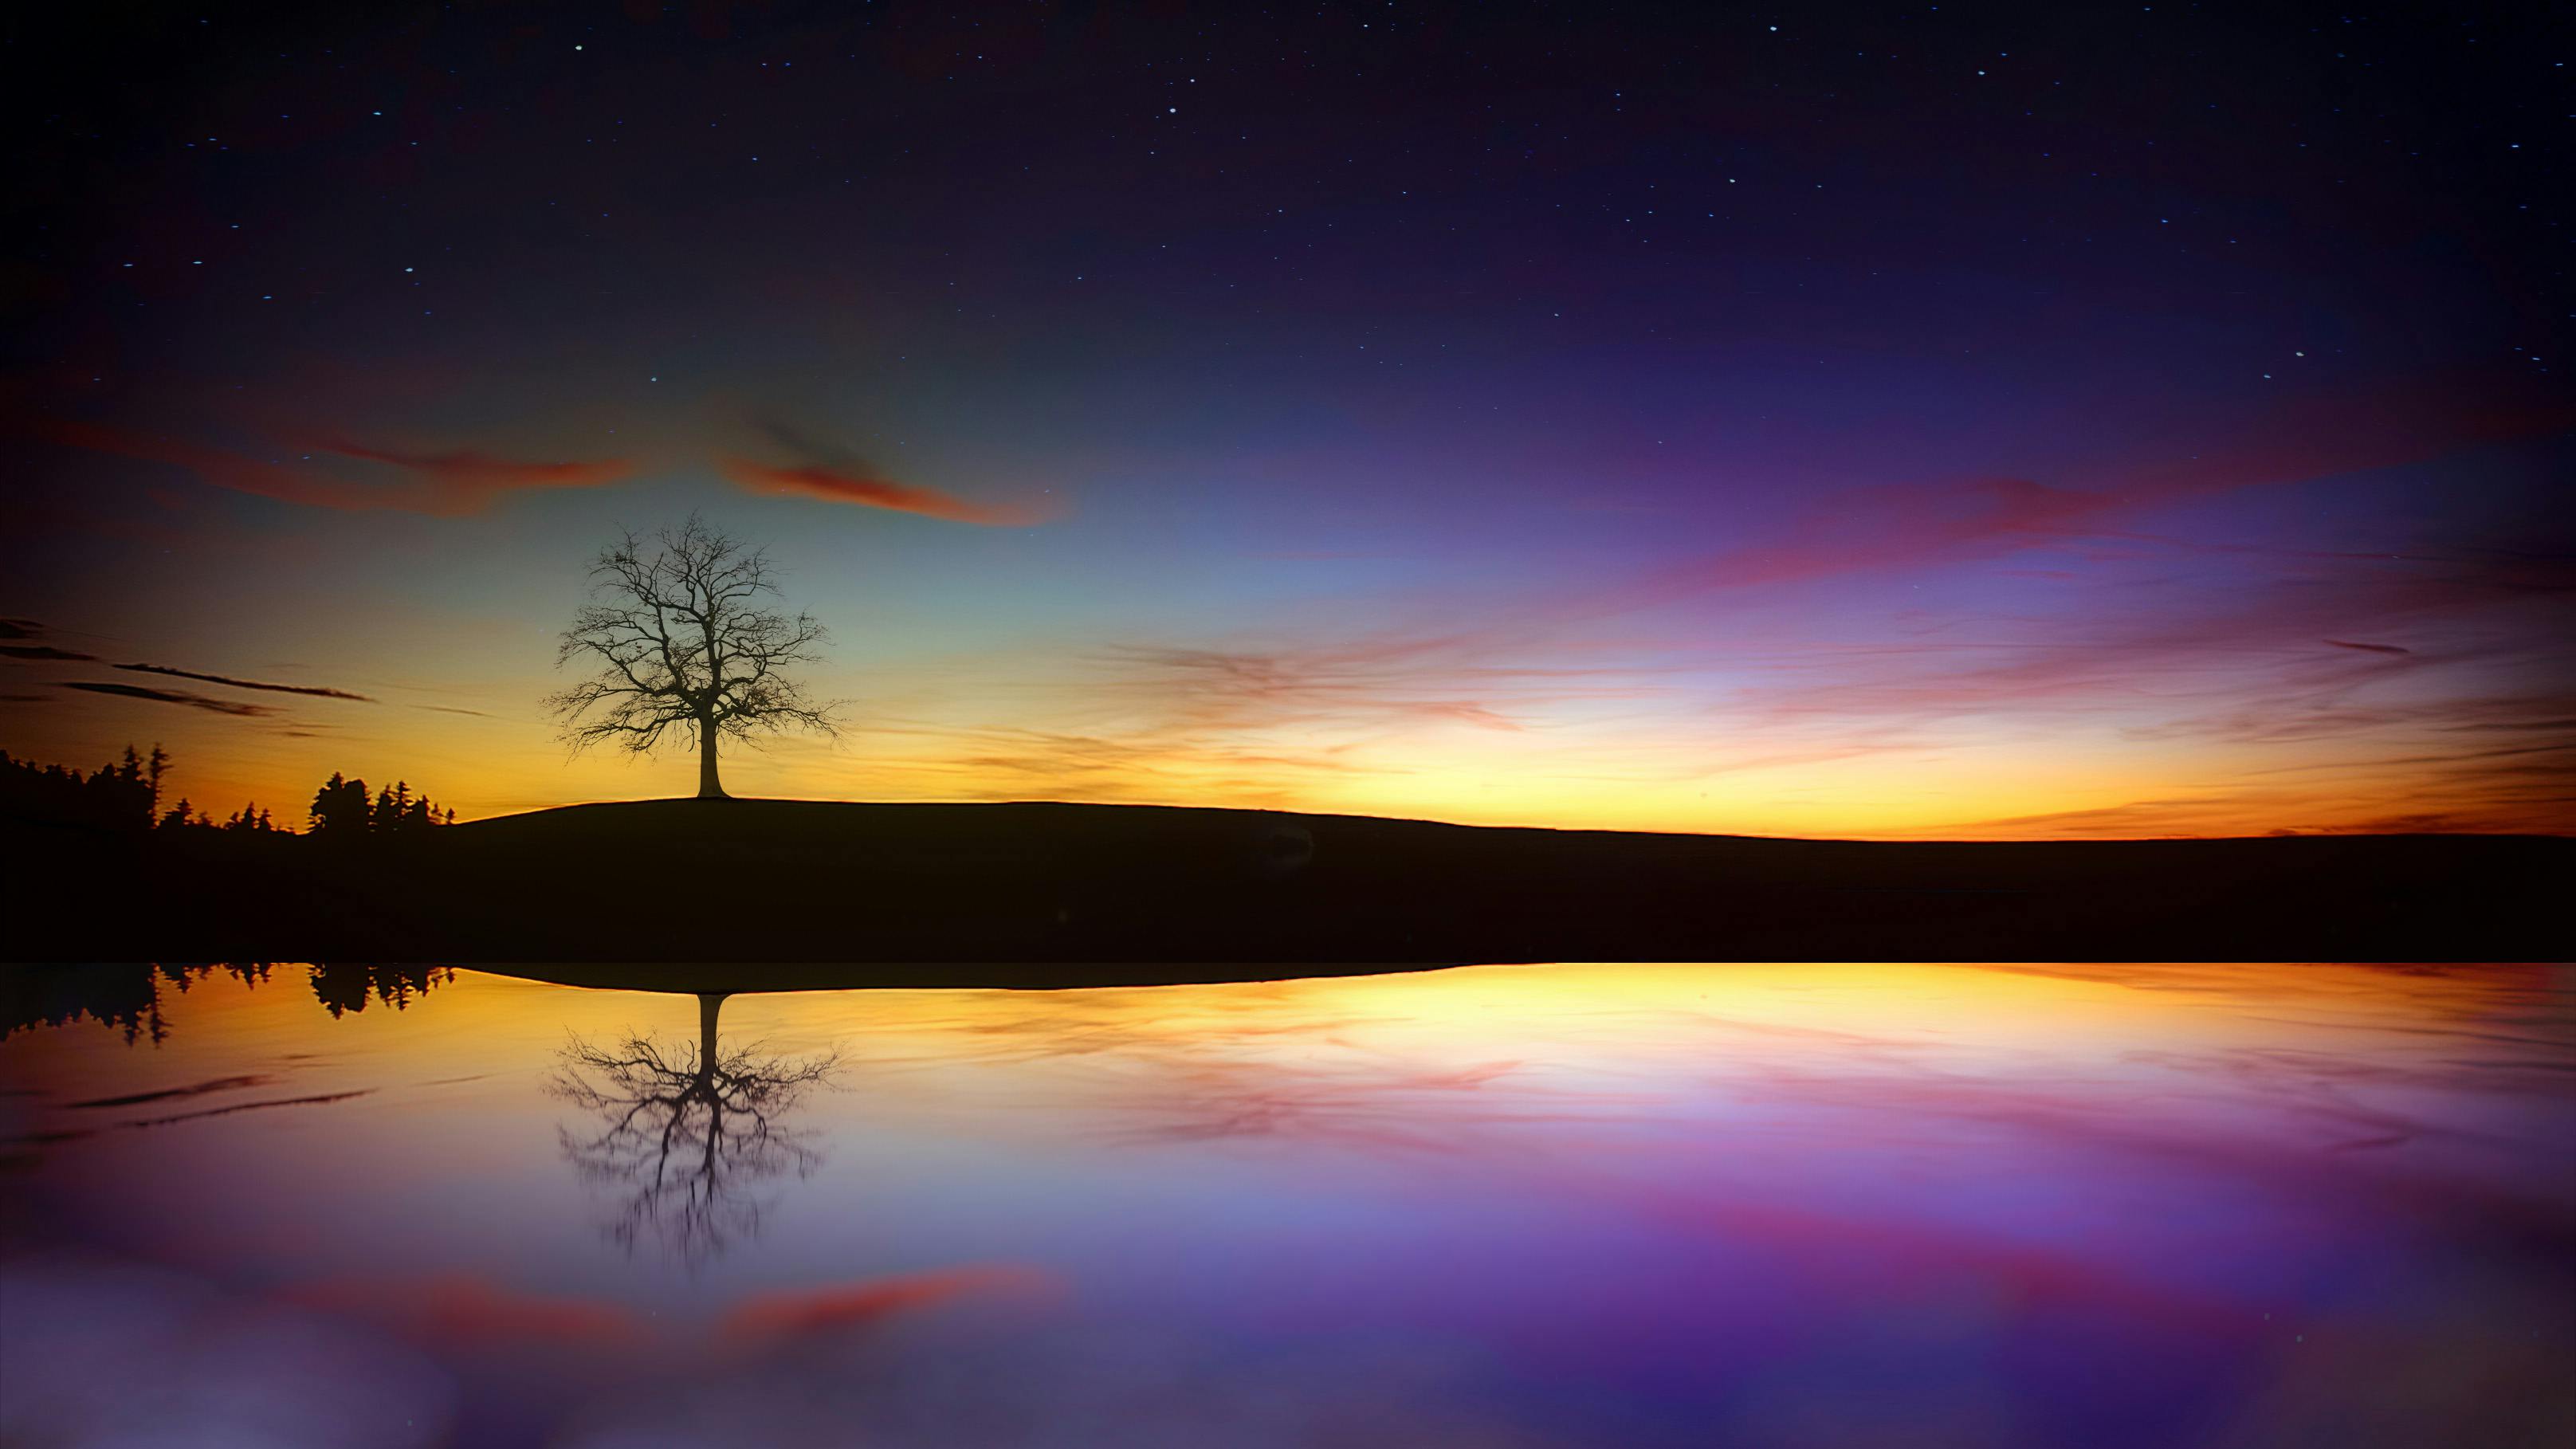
column 936, row 885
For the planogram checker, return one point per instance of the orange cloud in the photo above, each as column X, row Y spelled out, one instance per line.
column 442, row 484
column 469, row 470
column 839, row 486
column 870, row 1300
column 462, row 1309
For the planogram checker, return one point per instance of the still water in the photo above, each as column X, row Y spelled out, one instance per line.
column 1493, row 1206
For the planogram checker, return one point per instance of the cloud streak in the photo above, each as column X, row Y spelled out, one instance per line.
column 867, row 492
column 468, row 472
column 438, row 484
column 171, row 696
column 835, row 1307
column 823, row 470
column 316, row 690
column 1895, row 527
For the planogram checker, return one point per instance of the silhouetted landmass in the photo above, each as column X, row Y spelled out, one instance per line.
column 127, row 997
column 1142, row 893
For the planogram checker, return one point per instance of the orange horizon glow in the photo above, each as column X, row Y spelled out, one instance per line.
column 485, row 767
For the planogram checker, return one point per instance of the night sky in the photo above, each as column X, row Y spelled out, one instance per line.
column 1885, row 421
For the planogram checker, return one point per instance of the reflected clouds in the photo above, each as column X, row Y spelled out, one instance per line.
column 1646, row 1205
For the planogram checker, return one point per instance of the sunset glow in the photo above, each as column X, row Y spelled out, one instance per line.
column 1815, row 434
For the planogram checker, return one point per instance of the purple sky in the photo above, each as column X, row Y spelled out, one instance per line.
column 1909, row 421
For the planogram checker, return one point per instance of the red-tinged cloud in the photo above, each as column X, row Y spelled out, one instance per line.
column 1894, row 527
column 2370, row 648
column 461, row 1310
column 818, row 467
column 839, row 1306
column 834, row 485
column 441, row 484
column 469, row 470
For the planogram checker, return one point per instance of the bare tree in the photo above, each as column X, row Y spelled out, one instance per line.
column 690, row 1136
column 683, row 636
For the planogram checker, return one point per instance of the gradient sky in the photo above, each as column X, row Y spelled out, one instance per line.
column 1905, row 421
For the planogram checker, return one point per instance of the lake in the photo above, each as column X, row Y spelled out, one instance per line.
column 1612, row 1205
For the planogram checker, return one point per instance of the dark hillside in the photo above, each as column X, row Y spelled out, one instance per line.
column 776, row 880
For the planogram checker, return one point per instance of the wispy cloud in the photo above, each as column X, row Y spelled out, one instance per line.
column 171, row 696
column 30, row 629
column 834, row 1307
column 867, row 492
column 468, row 472
column 443, row 484
column 319, row 691
column 464, row 1309
column 1894, row 527
column 824, row 470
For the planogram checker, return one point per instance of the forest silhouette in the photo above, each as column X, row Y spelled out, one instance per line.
column 129, row 998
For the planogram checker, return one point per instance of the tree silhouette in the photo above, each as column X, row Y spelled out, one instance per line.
column 115, row 796
column 690, row 1136
column 343, row 988
column 125, row 998
column 682, row 636
column 340, row 807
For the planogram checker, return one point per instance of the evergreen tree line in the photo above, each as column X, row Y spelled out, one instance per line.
column 125, row 794
column 342, row 808
column 129, row 998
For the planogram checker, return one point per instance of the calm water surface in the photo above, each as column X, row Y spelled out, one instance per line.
column 1561, row 1205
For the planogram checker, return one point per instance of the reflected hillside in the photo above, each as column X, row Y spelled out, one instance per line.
column 1133, row 894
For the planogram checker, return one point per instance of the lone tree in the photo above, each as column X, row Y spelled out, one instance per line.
column 682, row 636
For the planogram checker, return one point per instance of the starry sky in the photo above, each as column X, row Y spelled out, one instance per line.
column 1885, row 421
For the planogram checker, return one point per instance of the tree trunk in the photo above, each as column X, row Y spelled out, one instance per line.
column 709, row 1002
column 708, row 788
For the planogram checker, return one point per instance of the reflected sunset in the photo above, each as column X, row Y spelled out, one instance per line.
column 1535, row 1201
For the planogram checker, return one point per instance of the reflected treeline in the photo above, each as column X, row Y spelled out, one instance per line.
column 686, row 1137
column 129, row 997
column 345, row 988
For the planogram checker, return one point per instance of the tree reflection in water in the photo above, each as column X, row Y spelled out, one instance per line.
column 689, row 1136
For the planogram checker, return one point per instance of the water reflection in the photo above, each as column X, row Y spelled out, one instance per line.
column 1583, row 1205
column 129, row 998
column 686, row 1138
column 125, row 998
column 343, row 988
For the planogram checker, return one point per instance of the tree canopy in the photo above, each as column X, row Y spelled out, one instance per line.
column 683, row 634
